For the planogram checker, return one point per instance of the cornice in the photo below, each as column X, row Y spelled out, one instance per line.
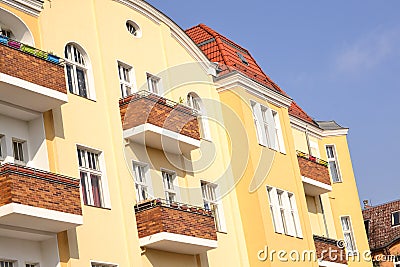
column 31, row 7
column 301, row 125
column 237, row 79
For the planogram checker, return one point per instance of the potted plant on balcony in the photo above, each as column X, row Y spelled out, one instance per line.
column 14, row 44
column 41, row 54
column 53, row 58
column 3, row 39
column 28, row 49
column 312, row 158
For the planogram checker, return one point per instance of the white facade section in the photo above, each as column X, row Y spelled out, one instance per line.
column 32, row 133
column 43, row 253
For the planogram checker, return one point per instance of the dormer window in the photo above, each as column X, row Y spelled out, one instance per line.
column 396, row 218
column 242, row 58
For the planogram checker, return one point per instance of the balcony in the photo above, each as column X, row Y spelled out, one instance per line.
column 330, row 251
column 314, row 173
column 160, row 123
column 31, row 81
column 175, row 227
column 35, row 203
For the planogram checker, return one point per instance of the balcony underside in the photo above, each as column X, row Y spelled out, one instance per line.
column 27, row 222
column 178, row 243
column 157, row 137
column 25, row 100
column 315, row 188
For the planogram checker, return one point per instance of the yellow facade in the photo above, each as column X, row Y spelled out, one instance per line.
column 231, row 156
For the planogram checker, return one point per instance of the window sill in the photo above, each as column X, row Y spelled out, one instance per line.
column 90, row 99
column 92, row 206
column 206, row 139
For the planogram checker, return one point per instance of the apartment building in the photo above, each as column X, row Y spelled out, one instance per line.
column 382, row 227
column 124, row 142
column 298, row 189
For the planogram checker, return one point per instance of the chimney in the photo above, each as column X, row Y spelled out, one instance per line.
column 366, row 204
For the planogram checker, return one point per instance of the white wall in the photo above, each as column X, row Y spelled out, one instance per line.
column 25, row 251
column 33, row 133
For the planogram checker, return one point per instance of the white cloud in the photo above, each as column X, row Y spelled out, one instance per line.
column 368, row 51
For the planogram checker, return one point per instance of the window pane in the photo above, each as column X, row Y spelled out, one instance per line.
column 96, row 190
column 15, row 148
column 84, row 187
column 69, row 79
column 396, row 218
column 20, row 152
column 334, row 172
column 81, row 82
column 329, row 152
column 345, row 224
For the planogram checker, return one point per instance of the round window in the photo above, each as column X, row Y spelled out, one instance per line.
column 133, row 29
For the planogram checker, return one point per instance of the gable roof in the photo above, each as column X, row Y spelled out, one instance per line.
column 225, row 52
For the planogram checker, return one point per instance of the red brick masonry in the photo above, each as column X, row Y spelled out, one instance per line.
column 159, row 218
column 40, row 189
column 381, row 234
column 141, row 108
column 327, row 250
column 313, row 170
column 32, row 69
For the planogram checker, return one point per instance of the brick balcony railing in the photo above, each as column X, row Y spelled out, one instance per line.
column 328, row 249
column 313, row 168
column 157, row 216
column 41, row 189
column 144, row 107
column 32, row 65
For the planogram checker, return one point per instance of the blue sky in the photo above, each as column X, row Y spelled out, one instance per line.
column 339, row 60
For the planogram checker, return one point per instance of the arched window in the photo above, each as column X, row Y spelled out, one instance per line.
column 194, row 101
column 76, row 70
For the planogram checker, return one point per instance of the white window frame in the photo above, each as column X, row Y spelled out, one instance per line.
column 284, row 212
column 350, row 233
column 139, row 185
column 23, row 149
column 280, row 144
column 195, row 102
column 211, row 200
column 168, row 191
column 127, row 79
column 268, row 127
column 72, row 52
column 8, row 263
column 154, row 80
column 257, row 122
column 336, row 161
column 99, row 172
column 392, row 218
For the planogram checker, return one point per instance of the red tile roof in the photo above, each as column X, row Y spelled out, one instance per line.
column 222, row 50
